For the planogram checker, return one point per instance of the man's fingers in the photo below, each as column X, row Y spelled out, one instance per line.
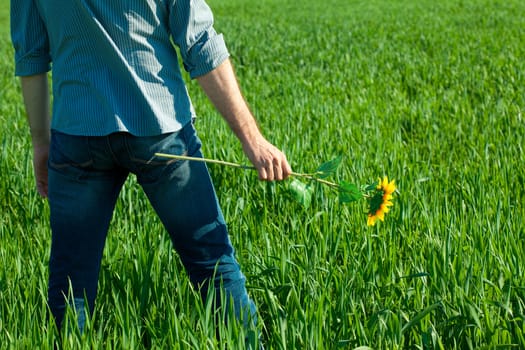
column 42, row 189
column 274, row 171
column 269, row 172
column 40, row 158
column 263, row 175
column 278, row 172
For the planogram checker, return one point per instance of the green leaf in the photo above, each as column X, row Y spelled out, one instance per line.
column 301, row 192
column 371, row 187
column 419, row 317
column 328, row 168
column 349, row 192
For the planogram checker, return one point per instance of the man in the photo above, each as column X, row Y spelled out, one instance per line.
column 118, row 98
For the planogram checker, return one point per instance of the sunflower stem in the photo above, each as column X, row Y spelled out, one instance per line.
column 205, row 160
column 315, row 178
column 241, row 166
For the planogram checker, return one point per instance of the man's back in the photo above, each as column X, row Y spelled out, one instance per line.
column 114, row 65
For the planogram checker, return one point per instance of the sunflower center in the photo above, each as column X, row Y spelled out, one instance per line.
column 375, row 202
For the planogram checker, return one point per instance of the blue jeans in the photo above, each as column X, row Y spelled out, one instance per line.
column 86, row 175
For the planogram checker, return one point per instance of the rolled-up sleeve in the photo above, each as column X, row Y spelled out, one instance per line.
column 30, row 39
column 201, row 47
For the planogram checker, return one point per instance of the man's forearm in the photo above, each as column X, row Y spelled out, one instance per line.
column 35, row 91
column 221, row 87
column 223, row 90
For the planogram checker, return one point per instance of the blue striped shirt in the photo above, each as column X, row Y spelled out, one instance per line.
column 114, row 64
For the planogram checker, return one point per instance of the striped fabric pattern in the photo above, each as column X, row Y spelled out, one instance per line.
column 114, row 65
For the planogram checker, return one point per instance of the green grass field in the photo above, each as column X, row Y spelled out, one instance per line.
column 430, row 93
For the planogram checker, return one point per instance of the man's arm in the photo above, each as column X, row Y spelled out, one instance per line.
column 35, row 92
column 221, row 87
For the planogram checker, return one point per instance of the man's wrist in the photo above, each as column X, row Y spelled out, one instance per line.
column 41, row 138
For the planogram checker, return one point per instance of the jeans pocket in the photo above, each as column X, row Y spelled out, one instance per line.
column 141, row 150
column 69, row 154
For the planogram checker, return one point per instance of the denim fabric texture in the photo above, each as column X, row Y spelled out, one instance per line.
column 86, row 174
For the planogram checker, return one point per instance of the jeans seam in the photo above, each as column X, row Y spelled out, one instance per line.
column 110, row 150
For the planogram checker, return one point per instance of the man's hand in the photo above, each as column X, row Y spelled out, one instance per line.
column 40, row 156
column 221, row 87
column 270, row 162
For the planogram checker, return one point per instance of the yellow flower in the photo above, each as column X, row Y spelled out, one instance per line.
column 380, row 201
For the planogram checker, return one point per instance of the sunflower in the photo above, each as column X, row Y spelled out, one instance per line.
column 380, row 201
